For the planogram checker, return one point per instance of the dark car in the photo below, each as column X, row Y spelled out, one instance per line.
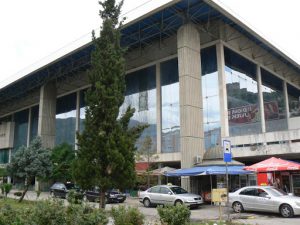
column 61, row 190
column 111, row 196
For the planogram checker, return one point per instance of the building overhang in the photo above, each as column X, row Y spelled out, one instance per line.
column 156, row 25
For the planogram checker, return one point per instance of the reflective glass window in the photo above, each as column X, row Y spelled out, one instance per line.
column 141, row 95
column 274, row 104
column 242, row 95
column 170, row 106
column 21, row 128
column 4, row 156
column 294, row 100
column 65, row 119
column 34, row 122
column 210, row 96
column 82, row 110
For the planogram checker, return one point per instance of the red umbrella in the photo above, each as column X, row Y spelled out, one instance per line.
column 273, row 164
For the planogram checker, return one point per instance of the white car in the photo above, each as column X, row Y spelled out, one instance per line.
column 169, row 195
column 265, row 199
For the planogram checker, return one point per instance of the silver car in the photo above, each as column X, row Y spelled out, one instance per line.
column 169, row 195
column 265, row 199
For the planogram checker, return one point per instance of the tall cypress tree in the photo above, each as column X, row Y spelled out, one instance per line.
column 107, row 145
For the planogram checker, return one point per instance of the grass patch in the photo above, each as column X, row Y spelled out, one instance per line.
column 15, row 204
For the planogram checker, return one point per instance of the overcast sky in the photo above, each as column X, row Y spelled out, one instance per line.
column 34, row 32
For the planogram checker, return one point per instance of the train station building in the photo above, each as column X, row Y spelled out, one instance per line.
column 194, row 72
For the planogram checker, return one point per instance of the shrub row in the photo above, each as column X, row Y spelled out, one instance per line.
column 54, row 213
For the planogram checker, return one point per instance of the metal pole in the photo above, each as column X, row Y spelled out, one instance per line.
column 210, row 190
column 227, row 186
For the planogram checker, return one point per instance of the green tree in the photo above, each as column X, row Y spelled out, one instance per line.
column 107, row 145
column 30, row 162
column 62, row 158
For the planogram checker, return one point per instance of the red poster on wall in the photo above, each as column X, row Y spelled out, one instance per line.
column 264, row 179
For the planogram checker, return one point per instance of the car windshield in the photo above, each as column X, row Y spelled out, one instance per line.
column 178, row 190
column 276, row 192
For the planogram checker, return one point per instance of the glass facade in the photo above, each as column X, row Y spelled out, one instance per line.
column 170, row 106
column 82, row 110
column 34, row 122
column 21, row 128
column 274, row 104
column 4, row 156
column 65, row 119
column 294, row 100
column 210, row 96
column 242, row 95
column 141, row 95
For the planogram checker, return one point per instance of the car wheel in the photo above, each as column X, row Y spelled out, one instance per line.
column 237, row 207
column 147, row 203
column 286, row 211
column 178, row 202
column 52, row 195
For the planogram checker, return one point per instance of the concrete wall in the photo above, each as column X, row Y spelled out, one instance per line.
column 7, row 135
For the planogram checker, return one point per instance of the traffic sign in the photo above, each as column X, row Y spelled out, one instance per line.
column 227, row 150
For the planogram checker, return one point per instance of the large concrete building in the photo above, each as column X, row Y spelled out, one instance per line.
column 194, row 73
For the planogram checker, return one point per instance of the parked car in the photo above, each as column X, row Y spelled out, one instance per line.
column 265, row 199
column 61, row 190
column 111, row 196
column 169, row 194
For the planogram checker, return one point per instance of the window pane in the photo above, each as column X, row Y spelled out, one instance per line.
column 242, row 95
column 21, row 128
column 170, row 106
column 274, row 105
column 66, row 119
column 141, row 95
column 210, row 96
column 4, row 155
column 294, row 100
column 34, row 122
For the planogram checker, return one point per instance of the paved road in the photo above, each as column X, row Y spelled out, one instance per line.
column 205, row 212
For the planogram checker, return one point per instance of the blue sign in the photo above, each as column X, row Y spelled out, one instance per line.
column 227, row 150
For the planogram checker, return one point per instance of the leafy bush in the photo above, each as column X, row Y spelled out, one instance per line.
column 127, row 216
column 54, row 213
column 84, row 215
column 9, row 215
column 74, row 197
column 6, row 188
column 174, row 215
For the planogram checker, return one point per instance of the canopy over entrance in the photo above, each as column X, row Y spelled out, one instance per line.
column 207, row 170
column 273, row 164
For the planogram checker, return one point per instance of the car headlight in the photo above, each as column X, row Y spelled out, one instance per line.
column 190, row 200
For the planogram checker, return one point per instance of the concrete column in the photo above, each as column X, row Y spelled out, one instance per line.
column 77, row 121
column 159, row 177
column 191, row 110
column 47, row 111
column 222, row 91
column 261, row 100
column 158, row 108
column 29, row 127
column 286, row 102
